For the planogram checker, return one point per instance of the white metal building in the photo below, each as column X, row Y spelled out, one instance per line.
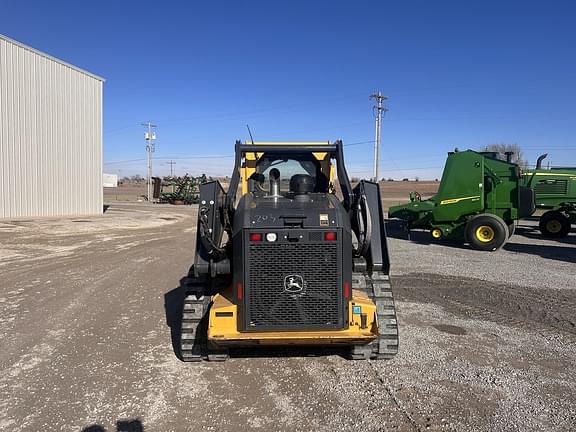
column 50, row 135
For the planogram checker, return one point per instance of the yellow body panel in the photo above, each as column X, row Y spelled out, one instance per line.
column 223, row 331
column 250, row 159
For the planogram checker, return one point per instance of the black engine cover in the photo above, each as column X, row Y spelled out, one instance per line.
column 297, row 281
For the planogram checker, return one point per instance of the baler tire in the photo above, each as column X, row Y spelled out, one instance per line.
column 556, row 219
column 486, row 232
column 505, row 227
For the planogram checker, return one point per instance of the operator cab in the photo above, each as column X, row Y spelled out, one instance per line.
column 291, row 176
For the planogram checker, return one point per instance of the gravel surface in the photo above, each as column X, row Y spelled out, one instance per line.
column 526, row 259
column 488, row 340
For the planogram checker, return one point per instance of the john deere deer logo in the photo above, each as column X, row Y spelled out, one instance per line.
column 294, row 284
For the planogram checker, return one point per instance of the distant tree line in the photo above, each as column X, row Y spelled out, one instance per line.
column 135, row 179
column 138, row 179
column 517, row 152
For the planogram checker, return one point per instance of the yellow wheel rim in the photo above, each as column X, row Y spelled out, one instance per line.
column 436, row 233
column 485, row 233
column 553, row 226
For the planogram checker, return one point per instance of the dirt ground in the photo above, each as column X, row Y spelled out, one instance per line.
column 397, row 192
column 488, row 340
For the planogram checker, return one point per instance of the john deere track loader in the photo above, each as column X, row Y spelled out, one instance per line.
column 289, row 263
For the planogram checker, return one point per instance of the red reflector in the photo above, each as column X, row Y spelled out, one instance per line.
column 346, row 289
column 239, row 290
column 256, row 237
column 330, row 236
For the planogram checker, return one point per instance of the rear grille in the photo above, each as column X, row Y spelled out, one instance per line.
column 276, row 269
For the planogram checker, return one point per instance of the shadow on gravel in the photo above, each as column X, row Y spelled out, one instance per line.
column 287, row 352
column 394, row 229
column 534, row 233
column 173, row 303
column 558, row 253
column 121, row 426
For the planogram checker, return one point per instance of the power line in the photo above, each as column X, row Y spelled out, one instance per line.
column 283, row 108
column 169, row 158
column 211, row 156
column 200, row 157
column 399, row 169
column 358, row 143
column 112, row 131
column 124, row 161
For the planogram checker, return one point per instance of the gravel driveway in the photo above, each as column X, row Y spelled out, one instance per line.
column 488, row 340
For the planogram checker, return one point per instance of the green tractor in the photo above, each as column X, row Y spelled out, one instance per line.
column 555, row 190
column 478, row 201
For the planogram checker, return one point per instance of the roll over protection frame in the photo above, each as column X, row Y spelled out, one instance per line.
column 334, row 150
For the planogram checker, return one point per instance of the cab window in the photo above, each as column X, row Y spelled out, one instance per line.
column 288, row 166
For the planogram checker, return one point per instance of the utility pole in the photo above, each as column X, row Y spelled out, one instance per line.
column 380, row 109
column 150, row 137
column 171, row 163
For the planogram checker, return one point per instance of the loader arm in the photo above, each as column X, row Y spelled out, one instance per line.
column 211, row 257
column 367, row 219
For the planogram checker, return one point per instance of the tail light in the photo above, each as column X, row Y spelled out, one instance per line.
column 255, row 237
column 346, row 289
column 239, row 290
column 330, row 236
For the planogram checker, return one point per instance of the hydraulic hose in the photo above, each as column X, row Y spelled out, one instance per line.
column 206, row 236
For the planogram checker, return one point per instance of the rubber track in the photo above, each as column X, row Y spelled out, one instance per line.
column 193, row 330
column 194, row 345
column 379, row 289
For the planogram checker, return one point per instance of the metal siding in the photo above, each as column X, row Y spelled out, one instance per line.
column 50, row 136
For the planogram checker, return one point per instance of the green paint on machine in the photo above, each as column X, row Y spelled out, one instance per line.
column 555, row 191
column 477, row 190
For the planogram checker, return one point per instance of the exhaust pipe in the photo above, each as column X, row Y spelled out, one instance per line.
column 540, row 159
column 274, row 182
column 509, row 156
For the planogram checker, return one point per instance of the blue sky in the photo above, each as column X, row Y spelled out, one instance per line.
column 458, row 74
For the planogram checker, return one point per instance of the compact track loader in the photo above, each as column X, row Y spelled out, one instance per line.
column 289, row 263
